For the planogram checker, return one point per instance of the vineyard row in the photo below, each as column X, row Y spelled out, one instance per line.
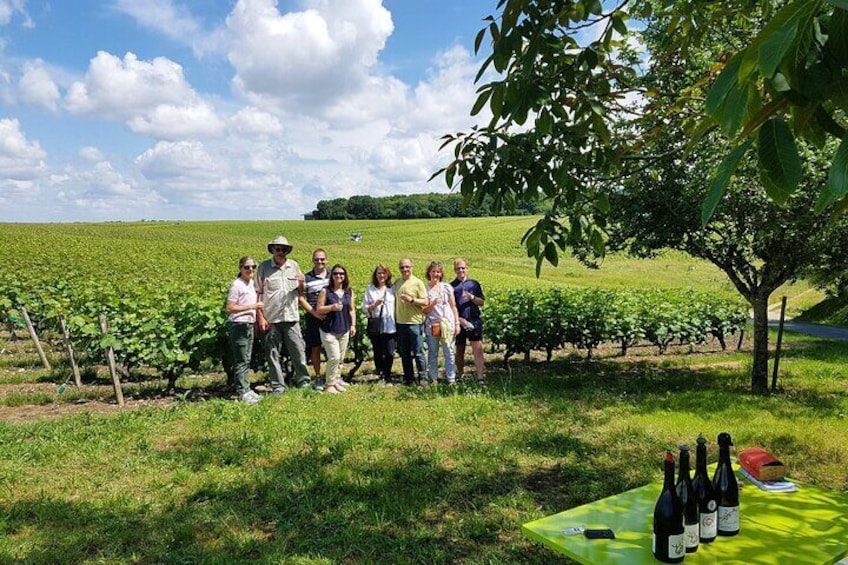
column 169, row 329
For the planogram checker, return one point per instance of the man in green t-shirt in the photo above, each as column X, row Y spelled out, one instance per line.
column 411, row 293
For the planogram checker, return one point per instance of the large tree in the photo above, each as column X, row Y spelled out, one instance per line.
column 568, row 127
column 756, row 242
column 563, row 80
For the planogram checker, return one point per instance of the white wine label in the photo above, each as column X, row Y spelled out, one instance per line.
column 692, row 532
column 709, row 527
column 728, row 518
column 676, row 546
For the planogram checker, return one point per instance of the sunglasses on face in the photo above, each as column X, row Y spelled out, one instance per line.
column 280, row 249
column 249, row 267
column 339, row 274
column 319, row 260
column 462, row 268
column 405, row 267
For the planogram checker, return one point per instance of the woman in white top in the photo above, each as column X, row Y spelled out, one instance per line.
column 241, row 306
column 378, row 303
column 441, row 324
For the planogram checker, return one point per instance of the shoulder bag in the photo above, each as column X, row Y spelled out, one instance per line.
column 375, row 323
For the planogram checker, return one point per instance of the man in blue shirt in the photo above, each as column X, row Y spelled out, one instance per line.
column 469, row 298
column 315, row 281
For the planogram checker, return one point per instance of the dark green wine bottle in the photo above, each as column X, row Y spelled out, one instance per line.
column 689, row 500
column 667, row 541
column 726, row 489
column 707, row 505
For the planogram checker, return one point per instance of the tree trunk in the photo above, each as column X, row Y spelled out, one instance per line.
column 759, row 373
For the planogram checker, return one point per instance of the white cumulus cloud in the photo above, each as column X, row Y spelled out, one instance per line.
column 182, row 160
column 20, row 159
column 153, row 97
column 307, row 58
column 92, row 154
column 122, row 88
column 9, row 8
column 37, row 87
column 177, row 23
column 251, row 121
column 178, row 122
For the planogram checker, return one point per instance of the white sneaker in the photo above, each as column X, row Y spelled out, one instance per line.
column 250, row 397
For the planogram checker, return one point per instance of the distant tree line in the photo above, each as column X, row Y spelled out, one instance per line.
column 431, row 205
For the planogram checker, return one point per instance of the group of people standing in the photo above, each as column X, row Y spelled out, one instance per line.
column 399, row 315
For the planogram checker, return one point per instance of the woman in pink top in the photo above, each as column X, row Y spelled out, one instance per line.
column 242, row 306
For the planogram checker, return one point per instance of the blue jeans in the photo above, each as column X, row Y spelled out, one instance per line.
column 409, row 347
column 448, row 351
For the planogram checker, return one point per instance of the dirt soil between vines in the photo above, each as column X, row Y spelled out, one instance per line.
column 27, row 402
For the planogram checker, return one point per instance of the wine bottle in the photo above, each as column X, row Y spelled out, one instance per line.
column 726, row 489
column 667, row 540
column 689, row 500
column 707, row 504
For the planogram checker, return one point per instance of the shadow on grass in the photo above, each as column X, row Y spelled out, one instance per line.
column 405, row 509
column 813, row 349
column 331, row 503
column 650, row 387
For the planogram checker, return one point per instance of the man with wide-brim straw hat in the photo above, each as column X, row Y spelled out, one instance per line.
column 279, row 284
column 279, row 240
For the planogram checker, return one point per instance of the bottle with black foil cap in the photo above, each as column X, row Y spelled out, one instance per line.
column 707, row 504
column 667, row 540
column 689, row 500
column 726, row 489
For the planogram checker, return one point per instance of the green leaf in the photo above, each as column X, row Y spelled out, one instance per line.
column 734, row 110
column 721, row 178
column 604, row 204
column 837, row 38
column 619, row 24
column 837, row 178
column 551, row 254
column 498, row 91
column 479, row 39
column 838, row 3
column 780, row 165
column 598, row 241
column 595, row 7
column 774, row 49
column 825, row 199
column 828, row 124
column 485, row 93
column 794, row 13
column 725, row 82
column 837, row 92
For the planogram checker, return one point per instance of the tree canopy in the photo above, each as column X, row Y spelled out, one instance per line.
column 407, row 206
column 567, row 75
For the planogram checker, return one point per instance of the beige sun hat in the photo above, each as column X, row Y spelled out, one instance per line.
column 279, row 240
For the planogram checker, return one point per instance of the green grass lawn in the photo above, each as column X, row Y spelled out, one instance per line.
column 379, row 474
column 392, row 475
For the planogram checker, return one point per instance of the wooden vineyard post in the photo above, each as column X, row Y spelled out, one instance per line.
column 69, row 348
column 110, row 358
column 779, row 343
column 34, row 336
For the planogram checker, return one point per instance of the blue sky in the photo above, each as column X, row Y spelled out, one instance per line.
column 225, row 109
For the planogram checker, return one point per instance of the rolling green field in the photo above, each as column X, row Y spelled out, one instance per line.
column 379, row 474
column 206, row 253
